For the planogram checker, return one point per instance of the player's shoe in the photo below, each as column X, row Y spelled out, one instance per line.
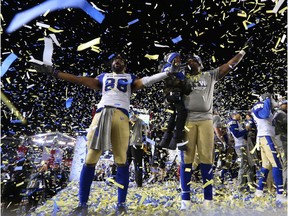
column 208, row 204
column 81, row 210
column 121, row 209
column 258, row 193
column 186, row 205
column 281, row 200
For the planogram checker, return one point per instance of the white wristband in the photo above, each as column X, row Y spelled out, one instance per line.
column 242, row 52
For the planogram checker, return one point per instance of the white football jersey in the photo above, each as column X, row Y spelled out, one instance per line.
column 116, row 90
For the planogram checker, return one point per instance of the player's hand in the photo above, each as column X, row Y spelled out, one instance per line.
column 45, row 69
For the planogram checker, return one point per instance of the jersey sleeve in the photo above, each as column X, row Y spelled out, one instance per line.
column 214, row 74
column 262, row 110
column 100, row 78
column 133, row 77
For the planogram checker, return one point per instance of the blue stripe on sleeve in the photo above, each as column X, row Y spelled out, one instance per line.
column 100, row 78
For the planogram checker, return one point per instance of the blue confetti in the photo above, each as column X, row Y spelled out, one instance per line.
column 69, row 102
column 177, row 39
column 99, row 17
column 24, row 17
column 134, row 21
column 7, row 62
column 15, row 121
column 111, row 56
column 251, row 25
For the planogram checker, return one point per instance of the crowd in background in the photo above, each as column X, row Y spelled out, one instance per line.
column 26, row 184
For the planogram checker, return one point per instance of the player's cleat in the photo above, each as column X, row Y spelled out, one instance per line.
column 208, row 204
column 81, row 210
column 121, row 209
column 185, row 205
column 281, row 200
column 166, row 139
column 258, row 193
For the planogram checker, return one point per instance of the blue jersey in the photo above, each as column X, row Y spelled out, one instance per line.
column 263, row 117
column 116, row 90
column 237, row 132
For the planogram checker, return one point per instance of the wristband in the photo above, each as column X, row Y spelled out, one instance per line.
column 242, row 52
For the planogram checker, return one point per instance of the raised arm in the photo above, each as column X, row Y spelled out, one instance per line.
column 89, row 82
column 227, row 67
column 80, row 80
column 231, row 64
column 149, row 80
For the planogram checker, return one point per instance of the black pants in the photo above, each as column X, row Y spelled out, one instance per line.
column 135, row 153
column 178, row 118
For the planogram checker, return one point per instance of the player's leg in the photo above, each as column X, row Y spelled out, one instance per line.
column 167, row 136
column 266, row 166
column 187, row 158
column 137, row 153
column 205, row 148
column 88, row 169
column 272, row 155
column 178, row 136
column 120, row 140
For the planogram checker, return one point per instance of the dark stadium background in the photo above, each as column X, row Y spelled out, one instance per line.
column 224, row 34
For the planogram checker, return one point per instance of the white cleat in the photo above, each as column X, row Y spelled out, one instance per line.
column 281, row 199
column 208, row 204
column 185, row 205
column 258, row 193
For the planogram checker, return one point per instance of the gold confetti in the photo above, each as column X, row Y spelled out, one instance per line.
column 88, row 44
column 152, row 57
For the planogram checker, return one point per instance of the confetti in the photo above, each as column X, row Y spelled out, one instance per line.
column 177, row 39
column 88, row 44
column 24, row 17
column 7, row 62
column 132, row 22
column 152, row 57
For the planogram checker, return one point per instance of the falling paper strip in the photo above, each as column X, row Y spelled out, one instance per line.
column 7, row 62
column 111, row 56
column 277, row 6
column 251, row 25
column 177, row 39
column 48, row 51
column 43, row 25
column 12, row 108
column 99, row 17
column 69, row 102
column 88, row 44
column 159, row 45
column 152, row 57
column 134, row 21
column 53, row 37
column 24, row 17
